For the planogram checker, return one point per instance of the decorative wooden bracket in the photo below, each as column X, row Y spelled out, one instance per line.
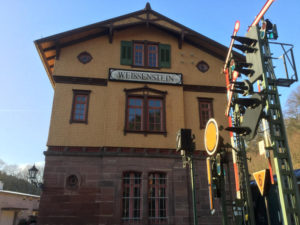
column 147, row 21
column 51, row 57
column 111, row 33
column 180, row 39
column 57, row 49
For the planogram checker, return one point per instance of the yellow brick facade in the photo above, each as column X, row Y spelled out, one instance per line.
column 106, row 114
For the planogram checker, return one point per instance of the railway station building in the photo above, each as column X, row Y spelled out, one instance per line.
column 122, row 89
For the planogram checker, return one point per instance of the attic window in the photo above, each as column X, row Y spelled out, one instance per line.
column 145, row 54
column 202, row 66
column 84, row 57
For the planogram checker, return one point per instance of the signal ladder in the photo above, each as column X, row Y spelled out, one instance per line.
column 287, row 185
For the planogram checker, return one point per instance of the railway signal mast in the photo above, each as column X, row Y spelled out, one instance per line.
column 249, row 106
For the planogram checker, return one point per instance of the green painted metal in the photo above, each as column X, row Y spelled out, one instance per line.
column 246, row 194
column 223, row 195
column 287, row 186
column 164, row 55
column 126, row 53
column 245, row 200
column 192, row 173
column 187, row 147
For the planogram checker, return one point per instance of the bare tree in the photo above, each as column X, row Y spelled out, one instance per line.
column 292, row 117
column 12, row 169
column 293, row 104
column 292, row 122
column 2, row 164
column 22, row 172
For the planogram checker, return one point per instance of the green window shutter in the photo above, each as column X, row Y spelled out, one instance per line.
column 126, row 52
column 164, row 55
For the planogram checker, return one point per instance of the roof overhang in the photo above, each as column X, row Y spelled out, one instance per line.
column 49, row 47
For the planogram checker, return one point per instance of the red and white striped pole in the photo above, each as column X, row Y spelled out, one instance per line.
column 229, row 87
column 261, row 13
column 234, row 154
column 234, row 160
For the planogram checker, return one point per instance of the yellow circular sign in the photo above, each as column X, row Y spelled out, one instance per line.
column 211, row 137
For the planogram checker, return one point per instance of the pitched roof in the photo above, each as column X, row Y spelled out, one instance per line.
column 49, row 47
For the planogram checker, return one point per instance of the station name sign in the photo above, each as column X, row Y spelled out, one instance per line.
column 145, row 76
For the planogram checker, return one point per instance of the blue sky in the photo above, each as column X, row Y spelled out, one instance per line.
column 26, row 93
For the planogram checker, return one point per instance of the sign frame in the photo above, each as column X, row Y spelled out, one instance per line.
column 143, row 76
column 216, row 145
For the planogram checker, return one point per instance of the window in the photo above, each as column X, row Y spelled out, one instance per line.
column 138, row 55
column 84, row 57
column 157, row 198
column 145, row 54
column 152, row 55
column 154, row 112
column 205, row 111
column 80, row 106
column 145, row 111
column 72, row 182
column 131, row 199
column 202, row 66
column 135, row 108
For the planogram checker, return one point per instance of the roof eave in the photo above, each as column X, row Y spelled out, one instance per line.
column 58, row 36
column 43, row 58
column 212, row 47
